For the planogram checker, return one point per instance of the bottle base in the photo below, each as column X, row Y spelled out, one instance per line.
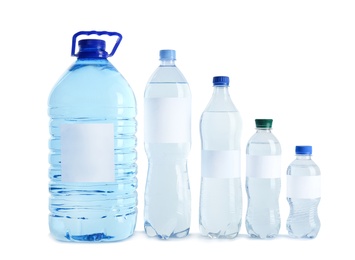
column 98, row 237
column 223, row 233
column 302, row 235
column 263, row 236
column 151, row 232
column 262, row 230
column 92, row 230
column 308, row 236
column 219, row 235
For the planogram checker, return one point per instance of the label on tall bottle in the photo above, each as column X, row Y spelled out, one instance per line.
column 263, row 166
column 303, row 187
column 220, row 164
column 87, row 152
column 167, row 120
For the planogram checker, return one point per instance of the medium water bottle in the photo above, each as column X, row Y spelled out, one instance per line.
column 263, row 181
column 303, row 195
column 92, row 157
column 220, row 212
column 167, row 141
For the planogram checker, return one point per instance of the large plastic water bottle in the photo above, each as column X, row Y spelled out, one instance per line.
column 167, row 141
column 263, row 181
column 303, row 194
column 92, row 158
column 220, row 212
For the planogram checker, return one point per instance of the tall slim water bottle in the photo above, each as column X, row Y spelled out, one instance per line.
column 263, row 181
column 167, row 141
column 303, row 194
column 92, row 157
column 220, row 212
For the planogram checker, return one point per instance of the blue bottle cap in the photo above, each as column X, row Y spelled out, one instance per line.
column 92, row 48
column 304, row 149
column 167, row 55
column 221, row 81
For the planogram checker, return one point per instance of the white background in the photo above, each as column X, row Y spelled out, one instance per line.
column 293, row 61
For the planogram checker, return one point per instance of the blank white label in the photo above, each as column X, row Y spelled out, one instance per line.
column 87, row 152
column 220, row 164
column 263, row 166
column 303, row 187
column 167, row 120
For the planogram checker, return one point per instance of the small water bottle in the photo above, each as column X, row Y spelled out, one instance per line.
column 303, row 195
column 92, row 157
column 167, row 142
column 220, row 212
column 263, row 181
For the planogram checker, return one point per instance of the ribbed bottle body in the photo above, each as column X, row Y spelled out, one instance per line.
column 92, row 154
column 303, row 197
column 303, row 220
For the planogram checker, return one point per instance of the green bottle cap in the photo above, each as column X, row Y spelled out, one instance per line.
column 263, row 123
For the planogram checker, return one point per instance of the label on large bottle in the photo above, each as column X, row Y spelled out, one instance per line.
column 87, row 152
column 303, row 187
column 167, row 120
column 220, row 164
column 263, row 166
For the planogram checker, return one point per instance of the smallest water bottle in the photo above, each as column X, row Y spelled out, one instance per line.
column 303, row 195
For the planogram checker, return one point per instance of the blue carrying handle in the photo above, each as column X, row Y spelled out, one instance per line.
column 119, row 39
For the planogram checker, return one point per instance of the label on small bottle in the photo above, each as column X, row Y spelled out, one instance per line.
column 220, row 164
column 87, row 152
column 303, row 187
column 263, row 166
column 167, row 120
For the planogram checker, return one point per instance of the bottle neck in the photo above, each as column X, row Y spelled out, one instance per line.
column 221, row 100
column 263, row 130
column 101, row 62
column 167, row 62
column 92, row 60
column 303, row 156
column 221, row 92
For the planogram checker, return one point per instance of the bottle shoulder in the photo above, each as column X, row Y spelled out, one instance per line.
column 263, row 137
column 221, row 101
column 167, row 82
column 90, row 70
column 216, row 105
column 264, row 143
column 299, row 167
column 92, row 84
column 167, row 74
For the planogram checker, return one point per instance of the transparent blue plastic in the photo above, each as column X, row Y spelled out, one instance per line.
column 92, row 92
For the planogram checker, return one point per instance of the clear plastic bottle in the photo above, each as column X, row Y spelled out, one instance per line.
column 92, row 157
column 220, row 212
column 303, row 194
column 263, row 181
column 167, row 141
